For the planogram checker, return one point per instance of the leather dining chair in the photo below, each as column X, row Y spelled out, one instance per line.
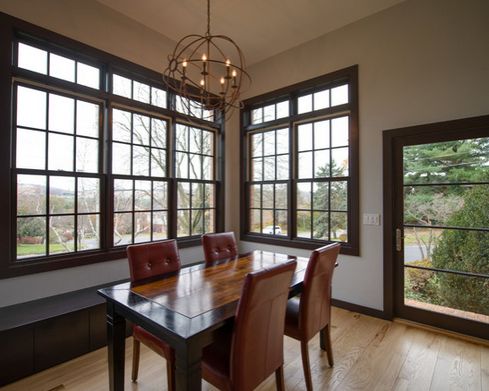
column 246, row 355
column 145, row 261
column 311, row 313
column 219, row 246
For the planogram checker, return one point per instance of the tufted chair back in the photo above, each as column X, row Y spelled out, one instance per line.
column 153, row 259
column 219, row 246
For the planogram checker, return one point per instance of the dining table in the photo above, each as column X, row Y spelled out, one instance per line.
column 188, row 309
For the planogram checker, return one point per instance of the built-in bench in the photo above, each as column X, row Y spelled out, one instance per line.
column 42, row 333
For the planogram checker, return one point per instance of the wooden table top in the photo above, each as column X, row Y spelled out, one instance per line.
column 196, row 298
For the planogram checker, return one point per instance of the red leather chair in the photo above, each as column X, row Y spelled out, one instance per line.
column 145, row 261
column 219, row 246
column 245, row 356
column 311, row 313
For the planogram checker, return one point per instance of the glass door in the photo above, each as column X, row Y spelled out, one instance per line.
column 442, row 231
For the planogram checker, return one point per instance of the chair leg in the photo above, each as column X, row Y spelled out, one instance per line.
column 170, row 374
column 305, row 365
column 325, row 342
column 279, row 378
column 135, row 359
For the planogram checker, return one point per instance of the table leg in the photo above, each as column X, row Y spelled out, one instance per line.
column 116, row 339
column 188, row 375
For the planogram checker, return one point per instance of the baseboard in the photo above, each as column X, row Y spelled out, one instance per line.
column 360, row 309
column 448, row 333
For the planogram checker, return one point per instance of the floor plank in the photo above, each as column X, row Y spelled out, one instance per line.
column 388, row 350
column 417, row 370
column 370, row 354
column 484, row 367
column 458, row 366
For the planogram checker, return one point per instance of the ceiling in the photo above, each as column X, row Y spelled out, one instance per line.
column 262, row 28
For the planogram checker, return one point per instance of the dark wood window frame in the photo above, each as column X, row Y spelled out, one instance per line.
column 13, row 30
column 348, row 75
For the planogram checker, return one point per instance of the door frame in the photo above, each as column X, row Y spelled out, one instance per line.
column 393, row 141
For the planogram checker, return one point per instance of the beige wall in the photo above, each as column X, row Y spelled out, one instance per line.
column 419, row 62
column 92, row 23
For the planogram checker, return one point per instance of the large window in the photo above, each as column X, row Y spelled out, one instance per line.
column 300, row 177
column 97, row 159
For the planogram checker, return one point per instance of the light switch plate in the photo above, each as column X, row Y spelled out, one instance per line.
column 371, row 219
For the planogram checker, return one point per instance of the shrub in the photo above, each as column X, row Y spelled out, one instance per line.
column 466, row 251
column 421, row 284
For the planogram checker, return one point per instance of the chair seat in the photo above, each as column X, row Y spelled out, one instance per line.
column 292, row 318
column 215, row 362
column 154, row 343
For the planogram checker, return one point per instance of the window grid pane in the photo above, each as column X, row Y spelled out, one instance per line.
column 140, row 211
column 56, row 212
column 269, row 112
column 139, row 146
column 61, row 67
column 195, row 208
column 140, row 201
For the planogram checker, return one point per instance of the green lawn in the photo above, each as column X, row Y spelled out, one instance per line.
column 38, row 249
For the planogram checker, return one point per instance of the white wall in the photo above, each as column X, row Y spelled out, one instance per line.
column 35, row 286
column 421, row 61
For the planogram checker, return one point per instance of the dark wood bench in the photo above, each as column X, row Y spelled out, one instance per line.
column 42, row 333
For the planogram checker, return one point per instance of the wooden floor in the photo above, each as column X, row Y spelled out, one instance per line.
column 370, row 354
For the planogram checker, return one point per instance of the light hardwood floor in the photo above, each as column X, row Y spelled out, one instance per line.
column 370, row 354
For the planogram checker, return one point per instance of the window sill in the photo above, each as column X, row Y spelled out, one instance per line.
column 62, row 261
column 307, row 244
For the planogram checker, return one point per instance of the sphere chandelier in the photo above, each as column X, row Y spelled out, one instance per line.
column 206, row 72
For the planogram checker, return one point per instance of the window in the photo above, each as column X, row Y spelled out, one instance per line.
column 270, row 112
column 193, row 108
column 195, row 166
column 270, row 174
column 300, row 184
column 97, row 157
column 141, row 92
column 55, row 65
column 139, row 150
column 57, row 173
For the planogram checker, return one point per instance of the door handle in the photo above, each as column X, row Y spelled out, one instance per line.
column 399, row 238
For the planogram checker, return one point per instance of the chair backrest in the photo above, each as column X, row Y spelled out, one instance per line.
column 257, row 347
column 219, row 246
column 315, row 304
column 152, row 259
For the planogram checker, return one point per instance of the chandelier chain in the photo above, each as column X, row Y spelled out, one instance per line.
column 208, row 17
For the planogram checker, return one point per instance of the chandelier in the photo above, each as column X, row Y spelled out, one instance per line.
column 207, row 73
